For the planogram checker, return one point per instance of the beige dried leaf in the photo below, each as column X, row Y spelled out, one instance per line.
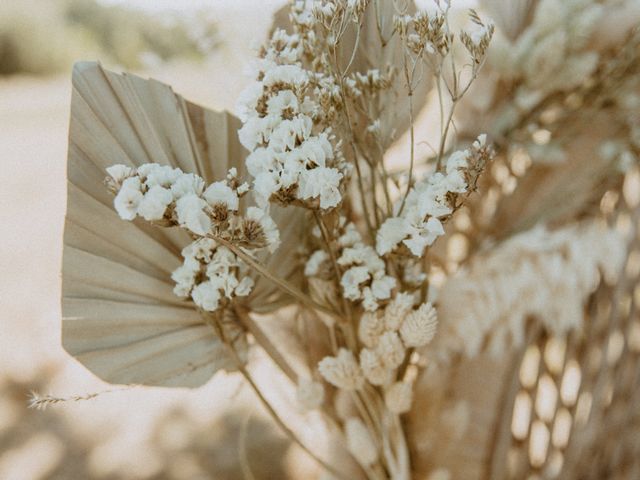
column 379, row 48
column 511, row 16
column 120, row 316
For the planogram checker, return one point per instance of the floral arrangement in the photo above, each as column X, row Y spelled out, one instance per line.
column 383, row 276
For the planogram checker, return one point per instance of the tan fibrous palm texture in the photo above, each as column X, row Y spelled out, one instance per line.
column 120, row 316
column 550, row 407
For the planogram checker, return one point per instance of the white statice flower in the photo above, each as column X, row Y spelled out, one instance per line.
column 209, row 273
column 289, row 133
column 187, row 184
column 155, row 202
column 219, row 193
column 309, row 394
column 417, row 225
column 360, row 443
column 342, row 371
column 119, row 172
column 185, row 276
column 207, row 295
column 128, row 198
column 381, row 287
column 423, row 234
column 398, row 397
column 323, row 183
column 419, row 327
column 365, row 276
column 369, row 301
column 269, row 227
column 285, row 74
column 397, row 310
column 370, row 327
column 317, row 258
column 244, row 287
column 350, row 237
column 201, row 249
column 161, row 175
column 248, row 99
column 288, row 154
column 361, row 254
column 190, row 210
column 313, row 152
column 351, row 280
column 390, row 234
column 285, row 102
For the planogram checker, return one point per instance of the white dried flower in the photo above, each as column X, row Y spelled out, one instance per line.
column 419, row 327
column 191, row 215
column 269, row 228
column 351, row 280
column 155, row 202
column 202, row 249
column 342, row 371
column 128, row 198
column 187, row 184
column 220, row 193
column 119, row 172
column 310, row 394
column 244, row 287
column 360, row 443
column 323, row 183
column 381, row 287
column 398, row 397
column 317, row 258
column 185, row 276
column 207, row 295
column 390, row 234
column 162, row 175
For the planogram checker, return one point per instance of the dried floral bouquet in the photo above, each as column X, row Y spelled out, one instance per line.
column 295, row 229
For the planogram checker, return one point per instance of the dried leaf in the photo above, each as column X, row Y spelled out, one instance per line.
column 378, row 48
column 511, row 16
column 120, row 316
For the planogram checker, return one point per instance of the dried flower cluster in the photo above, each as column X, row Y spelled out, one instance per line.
column 397, row 263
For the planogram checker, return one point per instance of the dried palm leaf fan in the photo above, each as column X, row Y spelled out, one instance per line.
column 120, row 316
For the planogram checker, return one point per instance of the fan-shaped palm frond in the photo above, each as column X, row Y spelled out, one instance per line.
column 120, row 316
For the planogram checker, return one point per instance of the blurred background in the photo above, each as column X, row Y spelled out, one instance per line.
column 201, row 48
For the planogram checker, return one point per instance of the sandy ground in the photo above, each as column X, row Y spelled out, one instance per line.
column 33, row 140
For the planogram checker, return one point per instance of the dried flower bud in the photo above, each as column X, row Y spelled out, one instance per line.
column 342, row 371
column 374, row 368
column 419, row 327
column 370, row 328
column 395, row 312
column 360, row 443
column 391, row 350
column 398, row 397
column 310, row 394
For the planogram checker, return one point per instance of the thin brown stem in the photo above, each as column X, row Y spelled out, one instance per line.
column 275, row 415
